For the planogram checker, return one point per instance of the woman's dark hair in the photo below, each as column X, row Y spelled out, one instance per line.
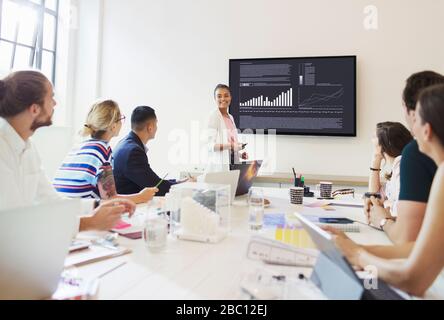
column 20, row 90
column 418, row 82
column 221, row 86
column 392, row 137
column 432, row 109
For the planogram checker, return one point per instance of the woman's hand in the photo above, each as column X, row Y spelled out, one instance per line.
column 377, row 151
column 348, row 247
column 378, row 212
column 369, row 203
column 378, row 156
column 367, row 209
column 235, row 147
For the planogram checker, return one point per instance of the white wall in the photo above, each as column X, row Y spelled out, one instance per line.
column 169, row 54
column 53, row 144
column 86, row 76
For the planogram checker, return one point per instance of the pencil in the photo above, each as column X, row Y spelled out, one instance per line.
column 160, row 182
column 112, row 269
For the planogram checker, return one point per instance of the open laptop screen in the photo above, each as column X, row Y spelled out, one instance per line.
column 248, row 172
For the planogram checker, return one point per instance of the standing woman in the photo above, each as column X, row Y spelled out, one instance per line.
column 223, row 143
column 87, row 170
column 389, row 141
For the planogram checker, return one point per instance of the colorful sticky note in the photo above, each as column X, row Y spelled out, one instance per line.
column 274, row 219
column 122, row 225
column 294, row 236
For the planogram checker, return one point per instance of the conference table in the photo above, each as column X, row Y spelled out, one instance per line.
column 186, row 270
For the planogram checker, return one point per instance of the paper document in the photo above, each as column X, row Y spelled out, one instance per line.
column 93, row 254
column 275, row 252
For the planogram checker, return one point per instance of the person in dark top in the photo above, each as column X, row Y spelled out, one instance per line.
column 417, row 172
column 132, row 170
column 416, row 177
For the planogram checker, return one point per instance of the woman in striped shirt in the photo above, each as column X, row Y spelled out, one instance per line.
column 87, row 170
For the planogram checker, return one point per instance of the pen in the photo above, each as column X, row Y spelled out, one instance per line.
column 367, row 224
column 111, row 270
column 160, row 182
column 294, row 173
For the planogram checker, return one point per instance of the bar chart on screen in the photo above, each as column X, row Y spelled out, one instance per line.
column 285, row 99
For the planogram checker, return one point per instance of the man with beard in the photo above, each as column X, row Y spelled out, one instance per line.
column 26, row 104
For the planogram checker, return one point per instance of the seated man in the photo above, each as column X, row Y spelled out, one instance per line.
column 132, row 170
column 27, row 104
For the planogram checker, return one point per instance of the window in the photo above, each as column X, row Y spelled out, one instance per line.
column 28, row 35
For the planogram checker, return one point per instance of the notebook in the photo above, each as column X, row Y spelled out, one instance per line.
column 93, row 254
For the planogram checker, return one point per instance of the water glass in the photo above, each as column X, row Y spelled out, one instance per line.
column 256, row 208
column 155, row 233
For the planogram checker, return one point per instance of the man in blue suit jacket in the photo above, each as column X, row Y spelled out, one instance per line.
column 132, row 171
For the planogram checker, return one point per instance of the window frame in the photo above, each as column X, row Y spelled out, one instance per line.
column 37, row 50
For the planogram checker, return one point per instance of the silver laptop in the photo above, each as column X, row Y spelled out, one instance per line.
column 34, row 242
column 227, row 177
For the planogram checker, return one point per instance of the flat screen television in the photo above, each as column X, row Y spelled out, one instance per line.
column 295, row 96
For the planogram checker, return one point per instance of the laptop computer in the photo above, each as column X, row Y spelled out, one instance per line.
column 248, row 172
column 34, row 242
column 334, row 275
column 231, row 178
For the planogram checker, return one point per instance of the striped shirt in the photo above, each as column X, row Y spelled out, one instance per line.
column 78, row 175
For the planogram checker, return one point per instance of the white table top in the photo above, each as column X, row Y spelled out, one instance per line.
column 192, row 270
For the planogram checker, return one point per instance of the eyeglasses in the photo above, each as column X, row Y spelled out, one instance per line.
column 121, row 119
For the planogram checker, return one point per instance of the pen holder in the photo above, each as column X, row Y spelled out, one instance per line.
column 297, row 183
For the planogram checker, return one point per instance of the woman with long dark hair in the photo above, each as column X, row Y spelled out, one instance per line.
column 389, row 141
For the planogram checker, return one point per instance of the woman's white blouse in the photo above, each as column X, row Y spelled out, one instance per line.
column 217, row 133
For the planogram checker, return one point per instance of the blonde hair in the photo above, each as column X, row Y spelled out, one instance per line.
column 102, row 115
